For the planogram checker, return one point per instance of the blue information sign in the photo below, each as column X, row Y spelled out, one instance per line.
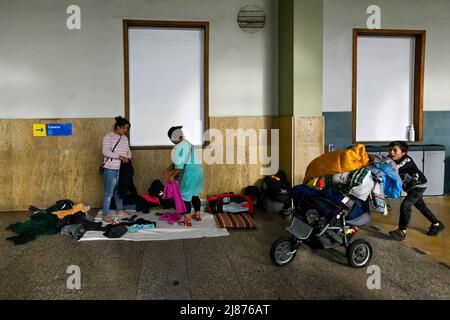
column 59, row 129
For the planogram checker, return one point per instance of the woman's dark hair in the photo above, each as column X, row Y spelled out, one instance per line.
column 172, row 129
column 402, row 145
column 120, row 122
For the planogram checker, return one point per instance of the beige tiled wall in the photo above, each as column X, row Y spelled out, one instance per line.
column 40, row 170
column 308, row 143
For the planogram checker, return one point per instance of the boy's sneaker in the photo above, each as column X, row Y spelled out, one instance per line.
column 398, row 235
column 435, row 230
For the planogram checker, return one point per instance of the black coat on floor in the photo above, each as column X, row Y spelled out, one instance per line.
column 142, row 205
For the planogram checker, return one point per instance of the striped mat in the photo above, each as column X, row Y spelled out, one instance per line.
column 235, row 221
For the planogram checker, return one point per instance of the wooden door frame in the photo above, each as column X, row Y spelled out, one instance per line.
column 419, row 65
column 204, row 25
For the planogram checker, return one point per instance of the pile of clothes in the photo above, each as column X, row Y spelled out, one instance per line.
column 71, row 219
column 365, row 179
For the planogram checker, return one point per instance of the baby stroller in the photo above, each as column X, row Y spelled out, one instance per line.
column 320, row 219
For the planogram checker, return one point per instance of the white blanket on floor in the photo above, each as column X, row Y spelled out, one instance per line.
column 208, row 227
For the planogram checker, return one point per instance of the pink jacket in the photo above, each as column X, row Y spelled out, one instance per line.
column 171, row 218
column 172, row 191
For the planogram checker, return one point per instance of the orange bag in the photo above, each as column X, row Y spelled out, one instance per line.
column 337, row 161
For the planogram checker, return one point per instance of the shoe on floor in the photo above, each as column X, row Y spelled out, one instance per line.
column 435, row 230
column 398, row 235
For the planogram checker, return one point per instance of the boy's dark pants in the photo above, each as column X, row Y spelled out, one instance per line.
column 414, row 197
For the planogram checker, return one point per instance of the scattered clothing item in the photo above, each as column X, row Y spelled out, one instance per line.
column 64, row 204
column 75, row 230
column 151, row 199
column 76, row 208
column 130, row 219
column 40, row 223
column 118, row 230
column 128, row 224
column 172, row 217
column 115, row 231
column 80, row 218
column 230, row 203
column 172, row 191
column 234, row 207
column 138, row 227
column 129, row 200
column 89, row 218
column 143, row 221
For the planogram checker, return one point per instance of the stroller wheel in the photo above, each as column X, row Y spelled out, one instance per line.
column 281, row 252
column 359, row 253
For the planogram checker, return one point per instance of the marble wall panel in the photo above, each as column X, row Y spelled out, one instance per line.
column 5, row 135
column 6, row 177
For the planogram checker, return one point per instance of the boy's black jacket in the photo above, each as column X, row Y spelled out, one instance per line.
column 410, row 174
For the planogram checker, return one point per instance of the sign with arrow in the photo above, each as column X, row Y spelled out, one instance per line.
column 52, row 129
column 39, row 130
column 59, row 129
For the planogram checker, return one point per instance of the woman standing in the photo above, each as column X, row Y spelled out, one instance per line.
column 185, row 168
column 115, row 150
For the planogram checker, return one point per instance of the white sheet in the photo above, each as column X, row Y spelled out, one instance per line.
column 208, row 227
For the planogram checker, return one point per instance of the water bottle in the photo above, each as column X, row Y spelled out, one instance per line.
column 411, row 133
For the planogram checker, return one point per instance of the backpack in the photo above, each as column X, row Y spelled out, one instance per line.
column 276, row 187
column 156, row 189
column 253, row 193
column 230, row 203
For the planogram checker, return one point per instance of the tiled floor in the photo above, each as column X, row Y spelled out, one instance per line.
column 437, row 247
column 233, row 267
